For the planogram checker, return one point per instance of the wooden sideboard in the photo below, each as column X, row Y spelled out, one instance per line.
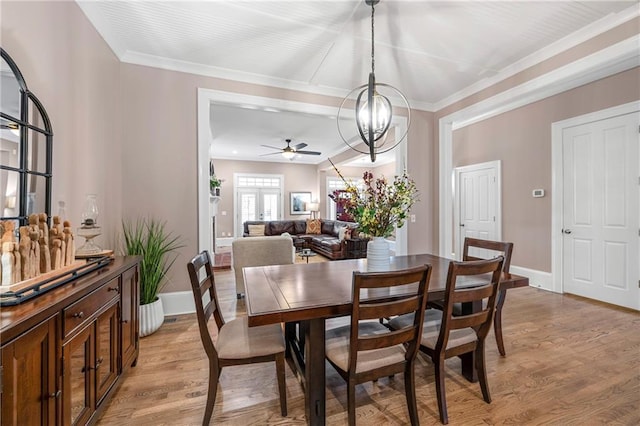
column 64, row 352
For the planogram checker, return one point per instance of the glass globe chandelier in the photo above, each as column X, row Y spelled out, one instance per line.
column 373, row 109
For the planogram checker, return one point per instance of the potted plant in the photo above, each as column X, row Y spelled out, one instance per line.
column 214, row 185
column 149, row 239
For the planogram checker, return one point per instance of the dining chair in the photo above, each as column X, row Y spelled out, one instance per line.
column 453, row 335
column 366, row 350
column 488, row 248
column 237, row 343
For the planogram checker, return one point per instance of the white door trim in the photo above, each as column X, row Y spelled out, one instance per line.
column 557, row 181
column 495, row 164
column 208, row 96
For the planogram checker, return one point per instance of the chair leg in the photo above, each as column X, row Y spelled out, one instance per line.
column 440, row 391
column 410, row 391
column 282, row 385
column 482, row 372
column 497, row 322
column 214, row 374
column 351, row 402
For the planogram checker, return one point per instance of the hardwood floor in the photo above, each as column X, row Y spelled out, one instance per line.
column 570, row 361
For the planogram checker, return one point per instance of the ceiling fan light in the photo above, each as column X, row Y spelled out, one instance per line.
column 288, row 154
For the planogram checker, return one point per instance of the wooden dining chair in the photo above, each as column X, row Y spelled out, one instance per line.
column 466, row 333
column 367, row 350
column 237, row 343
column 488, row 249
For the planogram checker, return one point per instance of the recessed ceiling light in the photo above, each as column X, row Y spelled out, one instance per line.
column 234, row 152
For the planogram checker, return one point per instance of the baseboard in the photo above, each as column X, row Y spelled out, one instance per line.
column 537, row 279
column 178, row 303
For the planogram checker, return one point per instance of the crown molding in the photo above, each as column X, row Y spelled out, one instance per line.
column 584, row 34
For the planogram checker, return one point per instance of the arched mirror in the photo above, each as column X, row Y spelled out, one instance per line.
column 26, row 142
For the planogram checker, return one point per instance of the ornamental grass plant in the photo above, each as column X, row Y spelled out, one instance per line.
column 149, row 239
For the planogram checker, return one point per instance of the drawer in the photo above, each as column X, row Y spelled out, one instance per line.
column 82, row 310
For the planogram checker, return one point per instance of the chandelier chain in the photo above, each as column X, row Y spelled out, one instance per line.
column 373, row 58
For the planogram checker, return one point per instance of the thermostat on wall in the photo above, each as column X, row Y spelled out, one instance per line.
column 537, row 193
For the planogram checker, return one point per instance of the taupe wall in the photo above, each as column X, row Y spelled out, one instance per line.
column 521, row 139
column 76, row 77
column 297, row 178
column 128, row 132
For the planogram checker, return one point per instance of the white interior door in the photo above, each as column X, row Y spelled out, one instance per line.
column 600, row 210
column 478, row 201
column 257, row 204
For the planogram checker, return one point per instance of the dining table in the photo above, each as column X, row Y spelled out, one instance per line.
column 304, row 296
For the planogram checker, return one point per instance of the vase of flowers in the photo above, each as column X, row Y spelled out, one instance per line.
column 379, row 207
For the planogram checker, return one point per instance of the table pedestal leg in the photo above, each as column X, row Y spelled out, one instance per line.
column 314, row 371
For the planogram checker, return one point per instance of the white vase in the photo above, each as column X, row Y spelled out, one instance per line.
column 377, row 254
column 151, row 317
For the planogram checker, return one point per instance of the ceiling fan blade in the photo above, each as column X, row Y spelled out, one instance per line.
column 308, row 152
column 299, row 146
column 272, row 147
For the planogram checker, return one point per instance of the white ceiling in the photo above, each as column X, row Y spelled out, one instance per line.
column 433, row 51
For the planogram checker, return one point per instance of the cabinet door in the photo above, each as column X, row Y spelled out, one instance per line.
column 30, row 393
column 129, row 317
column 78, row 385
column 106, row 362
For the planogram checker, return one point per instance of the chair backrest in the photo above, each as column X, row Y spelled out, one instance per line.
column 503, row 248
column 203, row 284
column 374, row 298
column 260, row 251
column 486, row 274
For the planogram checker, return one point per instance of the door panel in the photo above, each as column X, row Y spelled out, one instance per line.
column 257, row 204
column 478, row 204
column 601, row 213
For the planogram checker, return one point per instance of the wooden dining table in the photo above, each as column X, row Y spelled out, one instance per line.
column 308, row 294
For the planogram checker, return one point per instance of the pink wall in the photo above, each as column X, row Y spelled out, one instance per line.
column 521, row 139
column 76, row 77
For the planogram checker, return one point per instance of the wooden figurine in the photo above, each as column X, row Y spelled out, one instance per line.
column 56, row 233
column 8, row 260
column 56, row 254
column 69, row 241
column 24, row 248
column 45, row 255
column 8, row 228
column 34, row 234
column 44, row 228
column 17, row 265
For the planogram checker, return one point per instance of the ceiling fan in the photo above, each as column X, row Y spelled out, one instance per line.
column 289, row 151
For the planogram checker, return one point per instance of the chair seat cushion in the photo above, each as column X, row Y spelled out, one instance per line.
column 236, row 340
column 337, row 348
column 431, row 329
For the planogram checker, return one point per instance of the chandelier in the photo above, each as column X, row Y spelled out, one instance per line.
column 373, row 110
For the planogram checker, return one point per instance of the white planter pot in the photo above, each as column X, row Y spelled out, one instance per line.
column 377, row 254
column 151, row 317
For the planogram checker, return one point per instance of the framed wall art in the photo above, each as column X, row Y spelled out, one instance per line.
column 299, row 201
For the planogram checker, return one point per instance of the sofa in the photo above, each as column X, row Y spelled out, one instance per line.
column 327, row 242
column 260, row 251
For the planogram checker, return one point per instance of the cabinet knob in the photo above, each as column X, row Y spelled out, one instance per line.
column 125, row 321
column 55, row 394
column 116, row 289
column 78, row 315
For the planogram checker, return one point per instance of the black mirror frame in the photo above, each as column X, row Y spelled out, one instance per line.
column 23, row 123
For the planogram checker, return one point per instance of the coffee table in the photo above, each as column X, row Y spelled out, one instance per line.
column 306, row 254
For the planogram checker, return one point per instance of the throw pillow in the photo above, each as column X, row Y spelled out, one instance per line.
column 313, row 226
column 256, row 230
column 342, row 233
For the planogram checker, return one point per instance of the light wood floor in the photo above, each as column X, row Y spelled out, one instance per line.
column 570, row 361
